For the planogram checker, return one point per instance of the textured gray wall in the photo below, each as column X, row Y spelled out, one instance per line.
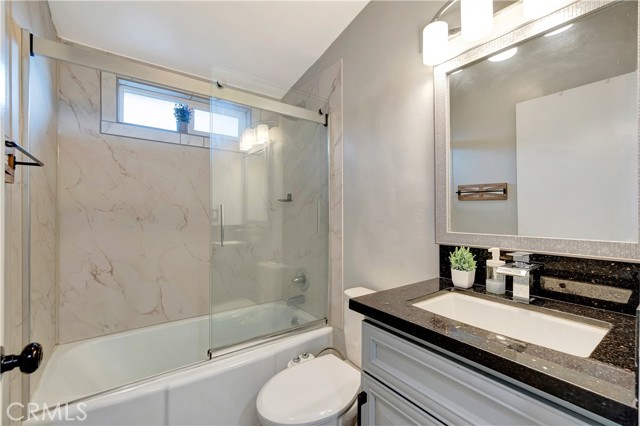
column 389, row 237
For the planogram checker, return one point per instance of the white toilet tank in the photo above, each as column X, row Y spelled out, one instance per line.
column 353, row 325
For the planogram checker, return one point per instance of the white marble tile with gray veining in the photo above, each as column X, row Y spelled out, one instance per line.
column 132, row 213
column 324, row 91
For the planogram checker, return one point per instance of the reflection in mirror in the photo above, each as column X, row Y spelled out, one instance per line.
column 556, row 119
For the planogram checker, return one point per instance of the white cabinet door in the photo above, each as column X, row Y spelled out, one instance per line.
column 386, row 408
column 450, row 390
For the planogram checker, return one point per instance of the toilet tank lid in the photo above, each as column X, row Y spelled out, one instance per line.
column 350, row 293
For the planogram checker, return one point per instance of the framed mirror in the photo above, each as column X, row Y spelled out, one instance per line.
column 537, row 137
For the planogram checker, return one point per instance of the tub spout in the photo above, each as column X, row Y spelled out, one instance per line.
column 296, row 300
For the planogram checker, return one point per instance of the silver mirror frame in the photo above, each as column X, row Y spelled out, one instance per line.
column 569, row 247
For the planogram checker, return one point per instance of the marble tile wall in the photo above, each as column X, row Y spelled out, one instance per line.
column 41, row 316
column 325, row 91
column 249, row 268
column 133, row 222
column 305, row 170
column 268, row 241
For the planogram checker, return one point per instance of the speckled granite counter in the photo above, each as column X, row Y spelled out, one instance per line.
column 604, row 383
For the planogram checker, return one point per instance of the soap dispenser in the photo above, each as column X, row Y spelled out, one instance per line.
column 495, row 282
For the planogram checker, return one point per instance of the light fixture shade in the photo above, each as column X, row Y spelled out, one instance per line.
column 534, row 9
column 476, row 18
column 275, row 134
column 435, row 43
column 248, row 139
column 262, row 134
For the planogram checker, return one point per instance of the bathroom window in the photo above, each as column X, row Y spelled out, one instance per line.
column 144, row 111
column 149, row 106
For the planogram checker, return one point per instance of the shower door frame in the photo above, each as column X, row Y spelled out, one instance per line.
column 100, row 60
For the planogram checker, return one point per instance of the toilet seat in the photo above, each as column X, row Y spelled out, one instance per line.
column 312, row 393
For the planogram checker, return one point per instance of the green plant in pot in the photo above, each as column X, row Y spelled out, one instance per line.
column 183, row 115
column 463, row 267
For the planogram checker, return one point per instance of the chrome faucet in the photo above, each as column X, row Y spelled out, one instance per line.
column 521, row 271
column 301, row 280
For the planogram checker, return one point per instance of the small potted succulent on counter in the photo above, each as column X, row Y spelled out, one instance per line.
column 183, row 114
column 463, row 267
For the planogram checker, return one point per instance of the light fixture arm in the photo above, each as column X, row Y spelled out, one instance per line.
column 442, row 11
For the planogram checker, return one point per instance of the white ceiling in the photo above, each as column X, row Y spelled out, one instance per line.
column 262, row 46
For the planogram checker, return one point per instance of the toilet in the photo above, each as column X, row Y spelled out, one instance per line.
column 319, row 392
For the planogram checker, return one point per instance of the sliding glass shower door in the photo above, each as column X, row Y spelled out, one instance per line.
column 269, row 225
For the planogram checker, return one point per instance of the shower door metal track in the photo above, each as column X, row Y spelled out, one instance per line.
column 103, row 61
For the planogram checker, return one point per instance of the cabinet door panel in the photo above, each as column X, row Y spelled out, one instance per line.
column 386, row 408
column 451, row 391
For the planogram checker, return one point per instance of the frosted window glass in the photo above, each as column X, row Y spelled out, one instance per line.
column 222, row 124
column 147, row 111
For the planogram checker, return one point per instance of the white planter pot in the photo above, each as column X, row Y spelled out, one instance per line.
column 463, row 279
column 182, row 127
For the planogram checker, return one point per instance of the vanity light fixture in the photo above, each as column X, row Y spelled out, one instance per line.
column 559, row 30
column 503, row 56
column 476, row 18
column 435, row 42
column 262, row 134
column 534, row 9
column 248, row 139
column 251, row 137
column 476, row 22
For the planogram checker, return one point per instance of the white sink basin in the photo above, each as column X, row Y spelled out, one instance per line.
column 560, row 334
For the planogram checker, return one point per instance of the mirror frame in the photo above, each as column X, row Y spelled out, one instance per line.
column 571, row 247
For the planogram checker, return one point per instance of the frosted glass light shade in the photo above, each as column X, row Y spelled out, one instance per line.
column 248, row 139
column 435, row 43
column 262, row 134
column 533, row 9
column 275, row 134
column 476, row 18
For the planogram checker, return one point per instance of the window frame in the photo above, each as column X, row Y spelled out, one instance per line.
column 241, row 113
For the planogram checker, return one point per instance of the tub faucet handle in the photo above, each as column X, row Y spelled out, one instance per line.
column 301, row 280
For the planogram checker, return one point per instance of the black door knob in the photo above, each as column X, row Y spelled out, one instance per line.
column 29, row 359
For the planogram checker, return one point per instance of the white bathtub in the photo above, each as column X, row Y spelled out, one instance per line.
column 85, row 368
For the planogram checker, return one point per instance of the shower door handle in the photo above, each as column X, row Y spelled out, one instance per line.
column 221, row 225
column 28, row 361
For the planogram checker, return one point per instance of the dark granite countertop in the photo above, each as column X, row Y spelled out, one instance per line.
column 604, row 383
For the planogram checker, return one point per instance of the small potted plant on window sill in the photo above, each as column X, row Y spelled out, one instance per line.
column 183, row 114
column 463, row 267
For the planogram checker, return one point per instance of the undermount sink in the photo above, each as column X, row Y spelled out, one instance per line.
column 569, row 336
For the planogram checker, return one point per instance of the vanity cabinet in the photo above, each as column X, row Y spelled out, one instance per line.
column 386, row 407
column 407, row 383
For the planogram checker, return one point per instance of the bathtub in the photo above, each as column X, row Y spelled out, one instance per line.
column 81, row 369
